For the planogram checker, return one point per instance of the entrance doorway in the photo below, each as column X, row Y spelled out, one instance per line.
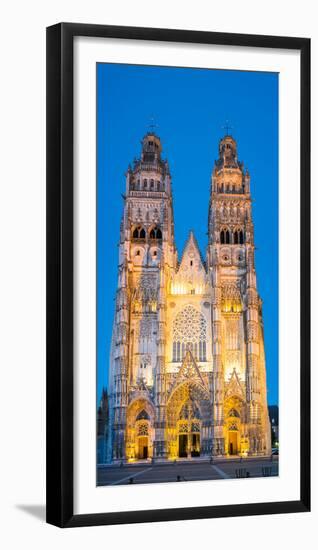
column 233, row 443
column 189, row 445
column 143, row 448
column 195, row 444
column 183, row 445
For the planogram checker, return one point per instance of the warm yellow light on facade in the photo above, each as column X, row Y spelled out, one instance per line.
column 154, row 381
column 230, row 306
column 179, row 288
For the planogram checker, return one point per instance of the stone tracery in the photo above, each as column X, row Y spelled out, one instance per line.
column 188, row 372
column 189, row 326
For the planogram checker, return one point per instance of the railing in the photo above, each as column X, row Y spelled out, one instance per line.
column 149, row 167
column 149, row 194
column 136, row 240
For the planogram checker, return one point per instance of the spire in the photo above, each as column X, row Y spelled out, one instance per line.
column 228, row 174
column 150, row 172
column 228, row 152
column 151, row 148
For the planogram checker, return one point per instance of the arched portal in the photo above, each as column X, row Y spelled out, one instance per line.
column 140, row 430
column 234, row 426
column 142, row 427
column 189, row 430
column 189, row 414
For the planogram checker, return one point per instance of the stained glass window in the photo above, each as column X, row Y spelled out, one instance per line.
column 189, row 333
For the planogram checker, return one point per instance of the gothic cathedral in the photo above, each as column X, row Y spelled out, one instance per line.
column 187, row 363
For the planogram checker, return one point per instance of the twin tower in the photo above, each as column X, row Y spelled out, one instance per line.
column 187, row 362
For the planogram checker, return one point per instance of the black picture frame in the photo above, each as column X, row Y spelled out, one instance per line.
column 60, row 270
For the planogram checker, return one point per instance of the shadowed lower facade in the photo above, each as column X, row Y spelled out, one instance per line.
column 187, row 364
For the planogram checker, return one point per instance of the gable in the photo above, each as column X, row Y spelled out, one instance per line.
column 189, row 371
column 234, row 386
column 191, row 261
column 190, row 276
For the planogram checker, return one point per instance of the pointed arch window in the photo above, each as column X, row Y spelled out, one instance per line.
column 139, row 233
column 143, row 415
column 238, row 236
column 225, row 237
column 233, row 413
column 155, row 233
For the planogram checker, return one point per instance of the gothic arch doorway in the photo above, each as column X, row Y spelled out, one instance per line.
column 189, row 430
column 233, row 442
column 142, row 436
column 188, row 417
column 140, row 431
column 233, row 412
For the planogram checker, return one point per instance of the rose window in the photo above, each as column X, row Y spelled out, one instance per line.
column 189, row 333
column 143, row 429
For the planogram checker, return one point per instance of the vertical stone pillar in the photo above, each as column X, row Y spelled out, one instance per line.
column 160, row 443
column 208, row 429
column 120, row 397
column 218, row 375
column 252, row 374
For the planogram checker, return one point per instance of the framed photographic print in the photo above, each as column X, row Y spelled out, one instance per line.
column 178, row 274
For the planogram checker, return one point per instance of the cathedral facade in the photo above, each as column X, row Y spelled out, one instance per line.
column 187, row 362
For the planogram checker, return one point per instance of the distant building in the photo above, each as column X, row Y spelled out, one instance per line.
column 187, row 362
column 274, row 420
column 102, row 427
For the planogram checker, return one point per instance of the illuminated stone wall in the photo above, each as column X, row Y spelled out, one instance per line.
column 187, row 365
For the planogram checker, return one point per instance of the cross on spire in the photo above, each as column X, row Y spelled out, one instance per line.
column 227, row 127
column 152, row 125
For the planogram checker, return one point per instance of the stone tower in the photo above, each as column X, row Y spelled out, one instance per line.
column 239, row 375
column 146, row 253
column 187, row 363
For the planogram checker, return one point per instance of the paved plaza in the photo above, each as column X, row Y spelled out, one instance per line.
column 182, row 471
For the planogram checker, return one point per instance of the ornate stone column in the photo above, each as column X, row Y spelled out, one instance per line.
column 160, row 443
column 120, row 397
column 218, row 375
column 252, row 374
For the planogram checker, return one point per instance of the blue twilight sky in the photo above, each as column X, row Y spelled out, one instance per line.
column 190, row 107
